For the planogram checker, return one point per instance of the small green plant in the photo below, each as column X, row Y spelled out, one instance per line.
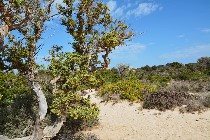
column 132, row 90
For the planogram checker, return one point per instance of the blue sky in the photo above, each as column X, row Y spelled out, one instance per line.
column 173, row 30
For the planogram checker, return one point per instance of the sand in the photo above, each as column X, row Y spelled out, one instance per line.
column 123, row 121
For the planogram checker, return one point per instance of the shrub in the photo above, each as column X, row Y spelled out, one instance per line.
column 162, row 81
column 17, row 106
column 190, row 75
column 164, row 100
column 107, row 76
column 206, row 100
column 132, row 90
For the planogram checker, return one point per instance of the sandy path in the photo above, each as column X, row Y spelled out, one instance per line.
column 122, row 121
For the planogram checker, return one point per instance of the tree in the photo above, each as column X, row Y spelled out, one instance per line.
column 192, row 66
column 123, row 70
column 14, row 14
column 94, row 32
column 204, row 63
column 39, row 12
column 175, row 65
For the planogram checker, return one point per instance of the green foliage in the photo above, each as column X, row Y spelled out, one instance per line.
column 161, row 81
column 108, row 76
column 132, row 90
column 16, row 55
column 72, row 75
column 175, row 65
column 189, row 75
column 94, row 31
column 95, row 36
column 74, row 106
column 204, row 63
column 72, row 70
column 11, row 86
column 175, row 71
column 17, row 106
column 123, row 70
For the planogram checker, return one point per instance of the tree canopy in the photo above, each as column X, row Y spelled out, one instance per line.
column 93, row 29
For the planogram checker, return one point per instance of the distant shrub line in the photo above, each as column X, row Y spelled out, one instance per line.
column 159, row 87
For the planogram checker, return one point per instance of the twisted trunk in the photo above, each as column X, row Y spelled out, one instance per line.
column 38, row 130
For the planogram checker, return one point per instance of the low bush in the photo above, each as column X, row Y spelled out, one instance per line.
column 163, row 100
column 168, row 100
column 132, row 90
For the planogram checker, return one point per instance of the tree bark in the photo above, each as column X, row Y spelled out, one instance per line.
column 51, row 131
column 4, row 29
column 38, row 128
column 41, row 99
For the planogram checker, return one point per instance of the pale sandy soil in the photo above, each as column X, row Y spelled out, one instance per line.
column 122, row 121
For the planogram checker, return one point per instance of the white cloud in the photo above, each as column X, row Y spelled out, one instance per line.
column 119, row 11
column 114, row 10
column 127, row 54
column 112, row 5
column 130, row 51
column 129, row 5
column 206, row 30
column 131, row 48
column 181, row 36
column 196, row 51
column 144, row 9
column 129, row 9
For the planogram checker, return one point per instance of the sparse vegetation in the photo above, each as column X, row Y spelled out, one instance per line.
column 167, row 86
